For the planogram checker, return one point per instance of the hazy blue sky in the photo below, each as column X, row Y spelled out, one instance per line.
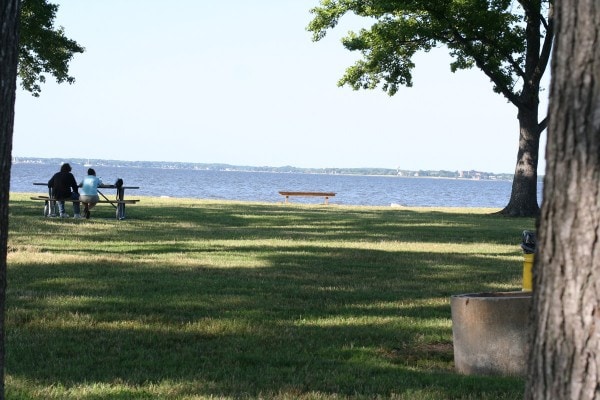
column 241, row 82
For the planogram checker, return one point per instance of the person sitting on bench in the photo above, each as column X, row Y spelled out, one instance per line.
column 63, row 187
column 89, row 191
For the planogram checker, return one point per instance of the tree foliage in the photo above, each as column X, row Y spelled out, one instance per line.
column 489, row 34
column 43, row 48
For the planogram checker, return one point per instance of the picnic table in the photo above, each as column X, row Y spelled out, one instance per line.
column 50, row 206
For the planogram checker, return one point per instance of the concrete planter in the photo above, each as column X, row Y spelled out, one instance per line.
column 491, row 333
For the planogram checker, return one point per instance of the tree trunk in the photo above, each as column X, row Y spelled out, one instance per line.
column 9, row 40
column 565, row 345
column 523, row 198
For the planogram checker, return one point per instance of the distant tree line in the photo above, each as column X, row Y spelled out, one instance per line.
column 472, row 174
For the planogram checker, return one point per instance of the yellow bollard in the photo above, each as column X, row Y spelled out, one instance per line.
column 527, row 272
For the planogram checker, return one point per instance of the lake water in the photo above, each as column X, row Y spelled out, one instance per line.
column 264, row 187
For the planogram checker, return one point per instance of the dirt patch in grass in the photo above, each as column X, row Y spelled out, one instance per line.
column 436, row 355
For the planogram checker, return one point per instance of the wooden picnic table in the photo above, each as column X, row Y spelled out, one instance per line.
column 119, row 202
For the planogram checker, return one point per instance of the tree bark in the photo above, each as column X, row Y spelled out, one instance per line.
column 565, row 345
column 9, row 41
column 523, row 197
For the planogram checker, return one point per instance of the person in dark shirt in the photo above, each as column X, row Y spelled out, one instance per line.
column 64, row 186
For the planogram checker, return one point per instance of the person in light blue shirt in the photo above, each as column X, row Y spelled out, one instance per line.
column 88, row 194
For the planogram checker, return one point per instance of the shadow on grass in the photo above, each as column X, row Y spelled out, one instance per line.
column 355, row 322
column 227, row 329
column 214, row 221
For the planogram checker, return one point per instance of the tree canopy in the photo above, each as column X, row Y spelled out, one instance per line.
column 43, row 48
column 491, row 35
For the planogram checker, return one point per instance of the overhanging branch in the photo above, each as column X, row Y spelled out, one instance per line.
column 481, row 64
column 543, row 124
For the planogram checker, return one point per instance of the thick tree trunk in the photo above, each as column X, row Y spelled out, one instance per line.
column 565, row 347
column 9, row 18
column 523, row 198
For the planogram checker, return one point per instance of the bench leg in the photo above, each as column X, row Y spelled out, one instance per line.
column 120, row 206
column 326, row 200
column 50, row 206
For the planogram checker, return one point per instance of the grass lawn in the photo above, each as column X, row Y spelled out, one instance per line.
column 193, row 299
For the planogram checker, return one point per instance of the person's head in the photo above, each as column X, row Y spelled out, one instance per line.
column 91, row 172
column 65, row 167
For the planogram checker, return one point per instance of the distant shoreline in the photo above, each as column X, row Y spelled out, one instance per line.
column 366, row 171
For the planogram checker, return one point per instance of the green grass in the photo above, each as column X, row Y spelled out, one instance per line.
column 192, row 299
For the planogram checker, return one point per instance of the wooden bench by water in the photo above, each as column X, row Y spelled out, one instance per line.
column 327, row 195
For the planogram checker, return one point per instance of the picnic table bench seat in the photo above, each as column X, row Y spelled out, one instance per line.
column 47, row 198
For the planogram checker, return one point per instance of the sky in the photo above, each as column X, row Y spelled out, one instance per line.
column 242, row 83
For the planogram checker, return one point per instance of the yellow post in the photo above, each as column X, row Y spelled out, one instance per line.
column 527, row 272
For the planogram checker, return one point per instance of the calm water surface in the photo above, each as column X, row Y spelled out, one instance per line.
column 263, row 187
